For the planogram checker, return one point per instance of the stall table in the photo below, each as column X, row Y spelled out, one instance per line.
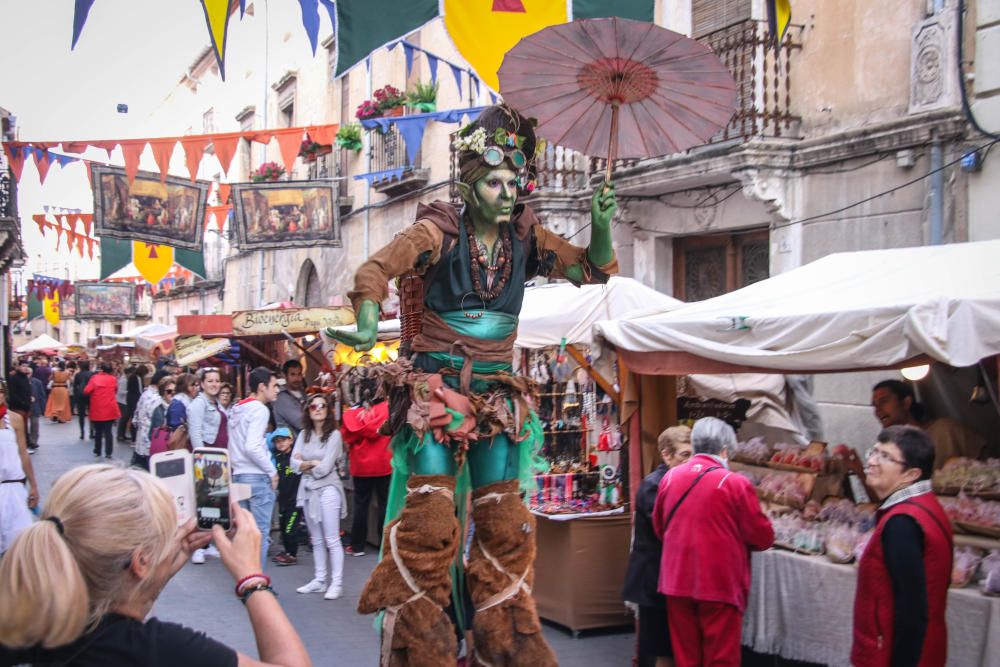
column 801, row 608
column 580, row 569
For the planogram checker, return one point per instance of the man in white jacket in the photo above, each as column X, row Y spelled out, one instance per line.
column 250, row 459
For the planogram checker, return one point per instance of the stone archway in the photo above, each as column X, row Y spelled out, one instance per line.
column 308, row 290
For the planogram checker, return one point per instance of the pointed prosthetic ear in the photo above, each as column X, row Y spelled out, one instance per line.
column 467, row 191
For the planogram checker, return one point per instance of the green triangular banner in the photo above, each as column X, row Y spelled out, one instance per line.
column 116, row 254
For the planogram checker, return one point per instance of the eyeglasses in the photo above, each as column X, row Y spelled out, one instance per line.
column 317, row 406
column 494, row 156
column 168, row 392
column 881, row 457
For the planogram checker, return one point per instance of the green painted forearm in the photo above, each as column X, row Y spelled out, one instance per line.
column 600, row 250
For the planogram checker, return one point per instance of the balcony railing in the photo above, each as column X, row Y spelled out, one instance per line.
column 763, row 78
column 388, row 150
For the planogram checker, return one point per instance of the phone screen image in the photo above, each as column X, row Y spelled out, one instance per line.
column 211, row 489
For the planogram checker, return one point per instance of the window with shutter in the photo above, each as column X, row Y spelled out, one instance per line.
column 708, row 16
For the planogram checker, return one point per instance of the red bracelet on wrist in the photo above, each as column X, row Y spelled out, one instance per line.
column 250, row 577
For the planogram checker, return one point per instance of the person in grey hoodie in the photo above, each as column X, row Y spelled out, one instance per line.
column 288, row 405
column 248, row 454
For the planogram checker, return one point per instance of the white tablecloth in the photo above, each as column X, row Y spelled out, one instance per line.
column 801, row 608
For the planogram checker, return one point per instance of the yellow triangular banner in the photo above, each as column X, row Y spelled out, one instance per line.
column 217, row 18
column 152, row 261
column 50, row 308
column 484, row 31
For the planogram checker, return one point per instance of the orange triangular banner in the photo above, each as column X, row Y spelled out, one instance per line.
column 88, row 220
column 223, row 193
column 70, row 239
column 39, row 219
column 132, row 150
column 225, row 149
column 263, row 137
column 289, row 143
column 59, row 231
column 109, row 146
column 162, row 150
column 43, row 165
column 72, row 219
column 323, row 135
column 194, row 148
column 15, row 158
column 90, row 248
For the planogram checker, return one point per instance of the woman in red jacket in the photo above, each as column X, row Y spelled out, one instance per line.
column 371, row 468
column 709, row 520
column 101, row 390
column 903, row 575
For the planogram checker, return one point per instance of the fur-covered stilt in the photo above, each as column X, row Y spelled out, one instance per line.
column 500, row 575
column 412, row 582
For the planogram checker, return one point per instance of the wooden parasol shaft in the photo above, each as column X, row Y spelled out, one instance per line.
column 612, row 143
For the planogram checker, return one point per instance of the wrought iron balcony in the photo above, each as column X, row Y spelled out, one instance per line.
column 388, row 153
column 8, row 195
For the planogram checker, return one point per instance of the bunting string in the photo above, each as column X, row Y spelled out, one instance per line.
column 224, row 143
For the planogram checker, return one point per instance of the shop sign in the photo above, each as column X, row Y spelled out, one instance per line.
column 192, row 349
column 291, row 320
column 690, row 410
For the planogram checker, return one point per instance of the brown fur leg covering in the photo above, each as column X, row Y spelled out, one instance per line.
column 426, row 541
column 506, row 628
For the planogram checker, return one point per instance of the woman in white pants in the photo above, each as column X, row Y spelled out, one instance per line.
column 318, row 454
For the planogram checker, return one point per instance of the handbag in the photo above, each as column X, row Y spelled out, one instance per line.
column 179, row 438
column 160, row 440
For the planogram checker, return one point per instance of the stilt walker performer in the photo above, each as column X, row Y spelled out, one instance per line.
column 461, row 420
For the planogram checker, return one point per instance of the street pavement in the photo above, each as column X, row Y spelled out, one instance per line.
column 201, row 596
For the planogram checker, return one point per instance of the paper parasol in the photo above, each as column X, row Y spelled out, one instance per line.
column 617, row 87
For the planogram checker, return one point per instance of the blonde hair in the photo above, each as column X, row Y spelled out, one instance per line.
column 673, row 436
column 59, row 579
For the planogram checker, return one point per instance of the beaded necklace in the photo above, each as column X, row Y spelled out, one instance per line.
column 480, row 261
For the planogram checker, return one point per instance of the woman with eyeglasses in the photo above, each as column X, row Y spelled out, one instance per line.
column 226, row 397
column 142, row 420
column 18, row 489
column 643, row 574
column 318, row 451
column 904, row 573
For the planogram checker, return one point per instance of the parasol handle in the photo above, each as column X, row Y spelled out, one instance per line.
column 612, row 143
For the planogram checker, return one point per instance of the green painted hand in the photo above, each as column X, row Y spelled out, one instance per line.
column 367, row 333
column 603, row 206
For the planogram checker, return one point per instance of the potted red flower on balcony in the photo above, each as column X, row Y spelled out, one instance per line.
column 390, row 101
column 366, row 110
column 269, row 171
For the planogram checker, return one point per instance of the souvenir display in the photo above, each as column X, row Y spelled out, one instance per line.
column 969, row 477
column 582, row 441
column 973, row 515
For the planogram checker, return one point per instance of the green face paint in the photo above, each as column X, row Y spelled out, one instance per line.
column 494, row 196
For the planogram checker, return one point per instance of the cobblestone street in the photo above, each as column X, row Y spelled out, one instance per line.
column 201, row 597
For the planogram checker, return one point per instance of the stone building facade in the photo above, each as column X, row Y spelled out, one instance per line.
column 831, row 149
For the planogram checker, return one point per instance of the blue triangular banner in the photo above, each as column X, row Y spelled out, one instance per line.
column 310, row 21
column 432, row 62
column 411, row 128
column 475, row 82
column 408, row 52
column 80, row 12
column 331, row 9
column 457, row 73
column 493, row 97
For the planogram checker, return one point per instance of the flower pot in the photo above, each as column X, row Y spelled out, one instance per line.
column 393, row 112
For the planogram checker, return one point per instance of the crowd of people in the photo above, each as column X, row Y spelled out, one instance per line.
column 696, row 523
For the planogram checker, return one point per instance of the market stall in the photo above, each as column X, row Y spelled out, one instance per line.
column 42, row 343
column 583, row 531
column 933, row 304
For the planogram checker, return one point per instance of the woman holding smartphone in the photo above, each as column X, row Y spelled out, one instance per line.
column 317, row 451
column 80, row 583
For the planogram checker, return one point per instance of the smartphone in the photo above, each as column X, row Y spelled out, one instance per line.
column 174, row 470
column 212, row 481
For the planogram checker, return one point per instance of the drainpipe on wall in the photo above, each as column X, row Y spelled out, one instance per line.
column 936, row 232
column 368, row 162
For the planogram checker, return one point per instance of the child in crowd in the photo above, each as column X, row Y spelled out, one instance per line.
column 279, row 442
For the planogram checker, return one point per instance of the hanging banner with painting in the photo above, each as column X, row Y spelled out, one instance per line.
column 170, row 212
column 105, row 301
column 285, row 214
